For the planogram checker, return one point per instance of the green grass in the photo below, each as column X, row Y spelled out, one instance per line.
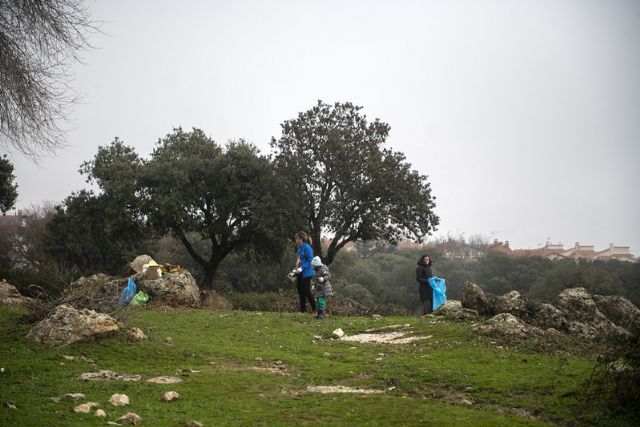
column 429, row 382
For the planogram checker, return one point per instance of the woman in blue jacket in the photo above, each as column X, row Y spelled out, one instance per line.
column 305, row 271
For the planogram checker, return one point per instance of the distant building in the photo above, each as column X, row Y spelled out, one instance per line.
column 615, row 252
column 502, row 247
column 461, row 250
column 555, row 251
column 17, row 219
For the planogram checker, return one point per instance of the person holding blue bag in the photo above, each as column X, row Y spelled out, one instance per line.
column 439, row 288
column 423, row 274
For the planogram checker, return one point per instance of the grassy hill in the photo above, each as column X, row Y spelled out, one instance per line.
column 250, row 368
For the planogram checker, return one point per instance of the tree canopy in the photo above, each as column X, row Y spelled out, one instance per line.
column 94, row 233
column 198, row 190
column 8, row 189
column 348, row 185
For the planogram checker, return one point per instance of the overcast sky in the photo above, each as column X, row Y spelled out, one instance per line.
column 525, row 115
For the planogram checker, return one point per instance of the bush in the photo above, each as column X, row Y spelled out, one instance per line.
column 616, row 375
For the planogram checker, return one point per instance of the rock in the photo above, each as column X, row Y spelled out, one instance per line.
column 138, row 334
column 170, row 396
column 165, row 380
column 582, row 330
column 214, row 301
column 338, row 333
column 341, row 389
column 579, row 307
column 85, row 408
column 136, row 265
column 376, row 316
column 514, row 303
column 619, row 310
column 474, row 298
column 131, row 418
column 548, row 316
column 173, row 289
column 577, row 304
column 9, row 295
column 99, row 292
column 100, row 413
column 119, row 400
column 453, row 309
column 108, row 376
column 507, row 325
column 66, row 325
column 74, row 396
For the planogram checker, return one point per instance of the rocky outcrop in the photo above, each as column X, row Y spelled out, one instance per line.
column 508, row 326
column 173, row 289
column 474, row 298
column 514, row 303
column 453, row 309
column 585, row 320
column 9, row 295
column 620, row 311
column 548, row 316
column 577, row 313
column 66, row 325
column 99, row 292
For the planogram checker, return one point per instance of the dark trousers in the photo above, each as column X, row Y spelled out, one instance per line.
column 304, row 291
column 426, row 297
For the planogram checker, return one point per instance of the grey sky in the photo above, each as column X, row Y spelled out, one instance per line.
column 524, row 114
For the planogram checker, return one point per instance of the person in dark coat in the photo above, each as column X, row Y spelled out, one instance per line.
column 423, row 273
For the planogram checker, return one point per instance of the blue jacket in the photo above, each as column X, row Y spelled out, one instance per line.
column 305, row 253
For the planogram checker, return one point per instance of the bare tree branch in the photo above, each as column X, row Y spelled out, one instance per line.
column 39, row 42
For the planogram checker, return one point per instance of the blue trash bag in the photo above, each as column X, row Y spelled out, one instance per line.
column 128, row 292
column 439, row 291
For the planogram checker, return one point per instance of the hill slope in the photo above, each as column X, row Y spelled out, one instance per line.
column 249, row 368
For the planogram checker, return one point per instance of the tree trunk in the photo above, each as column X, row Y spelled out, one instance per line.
column 316, row 241
column 209, row 274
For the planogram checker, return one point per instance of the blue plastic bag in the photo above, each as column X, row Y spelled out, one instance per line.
column 128, row 292
column 439, row 291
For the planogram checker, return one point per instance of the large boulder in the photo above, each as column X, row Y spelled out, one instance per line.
column 514, row 303
column 136, row 265
column 619, row 310
column 66, row 325
column 548, row 316
column 506, row 325
column 474, row 298
column 577, row 304
column 9, row 295
column 585, row 320
column 582, row 330
column 99, row 292
column 453, row 309
column 173, row 289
